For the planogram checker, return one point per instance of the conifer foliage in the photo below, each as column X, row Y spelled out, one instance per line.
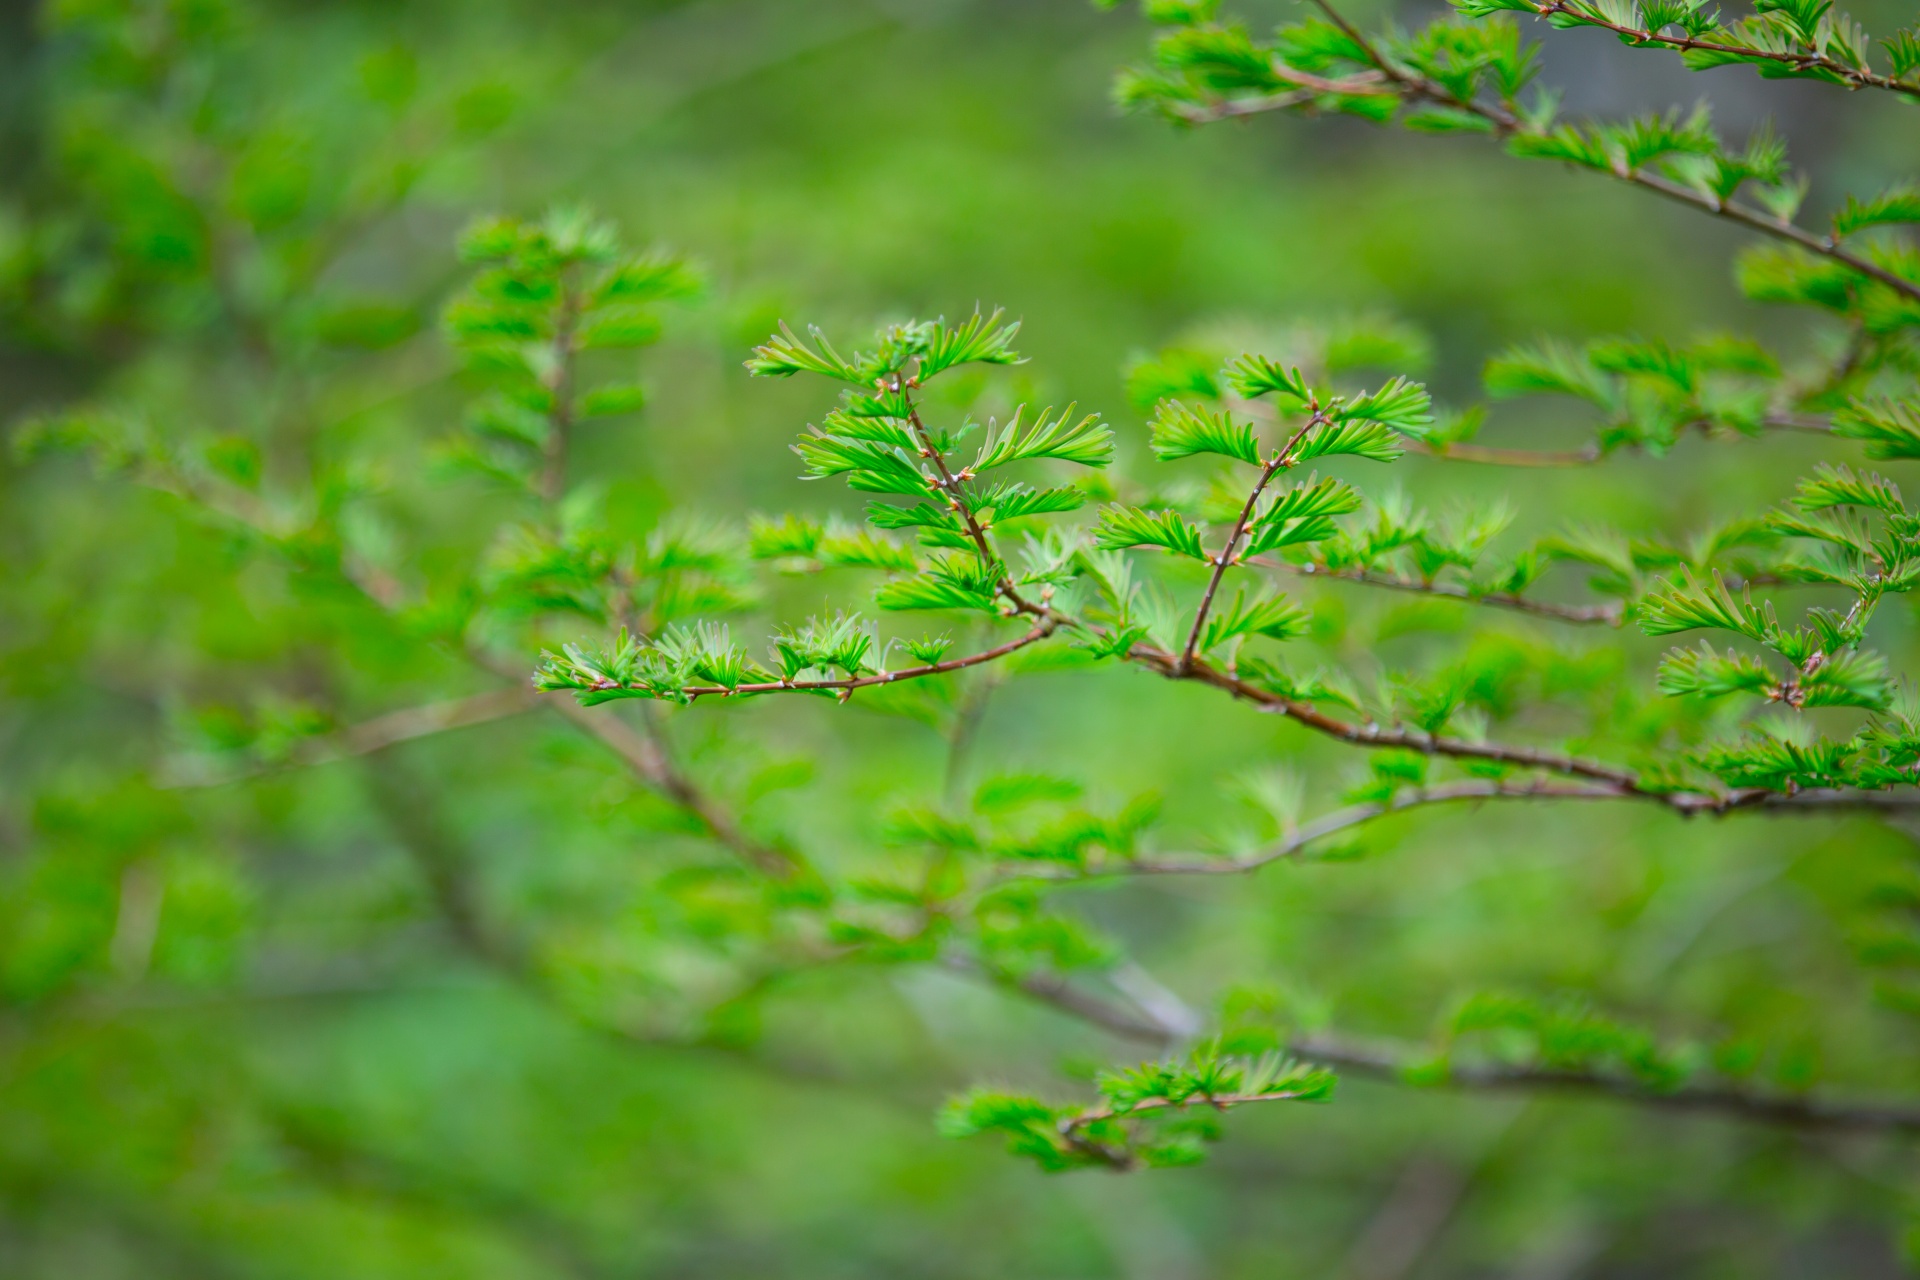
column 1200, row 537
column 1113, row 588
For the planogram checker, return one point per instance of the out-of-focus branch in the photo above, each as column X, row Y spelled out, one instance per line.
column 1834, row 69
column 1394, row 1062
column 370, row 736
column 647, row 757
column 1609, row 614
column 1387, row 77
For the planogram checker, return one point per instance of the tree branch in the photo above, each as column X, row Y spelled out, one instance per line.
column 645, row 755
column 1792, row 1110
column 1413, row 85
column 1604, row 614
column 949, row 485
column 1393, row 1062
column 1040, row 631
column 560, row 420
column 371, row 736
column 1373, row 736
column 1853, row 77
column 1282, row 460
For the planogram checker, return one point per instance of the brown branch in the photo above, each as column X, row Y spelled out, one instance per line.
column 1621, row 783
column 1282, row 460
column 949, row 485
column 1047, row 625
column 1780, row 228
column 1605, row 614
column 1374, row 736
column 1225, row 559
column 1497, row 457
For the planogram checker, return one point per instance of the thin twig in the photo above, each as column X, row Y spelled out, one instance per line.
column 1505, row 123
column 1494, row 456
column 1301, row 837
column 847, row 684
column 553, row 473
column 1623, row 783
column 1374, row 736
column 1603, row 614
column 1794, row 1110
column 1393, row 1062
column 648, row 759
column 950, row 487
column 1281, row 461
column 1467, row 791
column 370, row 736
column 1853, row 77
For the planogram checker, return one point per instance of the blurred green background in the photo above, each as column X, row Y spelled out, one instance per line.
column 235, row 1038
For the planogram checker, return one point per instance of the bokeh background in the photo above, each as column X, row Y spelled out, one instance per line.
column 235, row 1038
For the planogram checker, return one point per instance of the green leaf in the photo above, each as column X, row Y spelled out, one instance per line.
column 618, row 327
column 1313, row 497
column 927, row 650
column 707, row 652
column 934, row 592
column 790, row 537
column 784, row 355
column 863, row 549
column 1650, row 359
column 490, row 239
column 1183, row 432
column 1777, row 764
column 1269, row 615
column 1405, row 406
column 1548, row 367
column 921, row 515
column 1287, row 533
column 1009, row 792
column 1374, row 342
column 1832, row 486
column 1901, row 204
column 1088, row 442
column 841, row 643
column 845, row 423
column 981, row 340
column 1170, row 374
column 1130, row 527
column 1010, row 502
column 1253, row 376
column 656, row 278
column 869, row 467
column 610, row 399
column 1363, row 439
column 1692, row 606
column 1705, row 673
column 1890, row 428
column 1857, row 678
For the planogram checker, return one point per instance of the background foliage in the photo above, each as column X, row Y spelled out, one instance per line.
column 256, row 1014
